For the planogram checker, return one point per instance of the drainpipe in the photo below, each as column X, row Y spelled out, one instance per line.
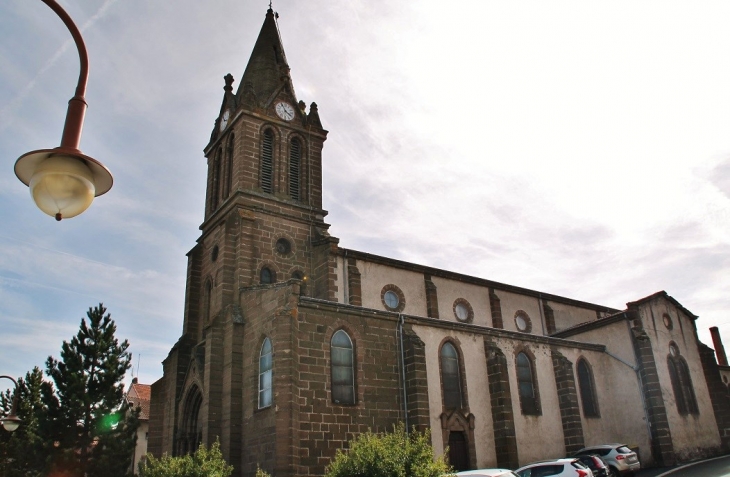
column 401, row 320
column 346, row 280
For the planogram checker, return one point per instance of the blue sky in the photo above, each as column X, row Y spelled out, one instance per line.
column 577, row 148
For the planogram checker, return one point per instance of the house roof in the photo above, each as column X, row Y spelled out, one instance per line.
column 139, row 396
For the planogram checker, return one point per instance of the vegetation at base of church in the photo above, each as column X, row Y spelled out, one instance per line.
column 261, row 473
column 204, row 463
column 80, row 424
column 392, row 454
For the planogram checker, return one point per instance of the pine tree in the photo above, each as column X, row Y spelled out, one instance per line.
column 92, row 430
column 26, row 450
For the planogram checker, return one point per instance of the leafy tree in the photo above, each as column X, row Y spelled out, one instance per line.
column 89, row 423
column 204, row 463
column 25, row 451
column 395, row 454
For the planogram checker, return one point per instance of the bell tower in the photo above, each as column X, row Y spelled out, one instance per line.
column 264, row 221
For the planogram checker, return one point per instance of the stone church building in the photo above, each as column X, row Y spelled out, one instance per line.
column 292, row 345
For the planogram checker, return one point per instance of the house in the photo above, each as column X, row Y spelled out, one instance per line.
column 138, row 396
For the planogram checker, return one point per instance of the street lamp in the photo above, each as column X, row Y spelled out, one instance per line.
column 63, row 181
column 12, row 422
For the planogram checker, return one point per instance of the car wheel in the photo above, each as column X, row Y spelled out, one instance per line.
column 612, row 472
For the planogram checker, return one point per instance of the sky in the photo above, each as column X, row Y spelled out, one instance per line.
column 576, row 148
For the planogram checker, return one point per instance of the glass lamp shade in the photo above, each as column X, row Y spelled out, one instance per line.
column 62, row 186
column 63, row 182
column 10, row 423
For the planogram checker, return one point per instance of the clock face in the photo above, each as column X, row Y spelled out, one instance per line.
column 224, row 119
column 285, row 111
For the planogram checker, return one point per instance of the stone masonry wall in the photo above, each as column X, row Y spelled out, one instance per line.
column 323, row 426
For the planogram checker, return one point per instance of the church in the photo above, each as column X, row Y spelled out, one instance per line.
column 292, row 345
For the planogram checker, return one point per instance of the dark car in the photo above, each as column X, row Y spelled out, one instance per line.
column 595, row 463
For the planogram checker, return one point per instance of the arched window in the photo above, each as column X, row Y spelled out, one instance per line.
column 267, row 276
column 215, row 181
column 450, row 377
column 587, row 389
column 265, row 374
column 295, row 155
column 229, row 167
column 192, row 430
column 267, row 162
column 684, row 393
column 343, row 368
column 529, row 398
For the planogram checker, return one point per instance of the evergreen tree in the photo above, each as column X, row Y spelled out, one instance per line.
column 90, row 425
column 25, row 451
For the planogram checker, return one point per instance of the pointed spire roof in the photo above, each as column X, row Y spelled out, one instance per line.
column 267, row 68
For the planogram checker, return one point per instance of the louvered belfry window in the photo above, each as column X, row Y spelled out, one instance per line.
column 295, row 155
column 267, row 162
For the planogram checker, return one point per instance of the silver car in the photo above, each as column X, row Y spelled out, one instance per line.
column 620, row 459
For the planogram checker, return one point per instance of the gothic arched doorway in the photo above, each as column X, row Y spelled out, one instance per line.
column 191, row 430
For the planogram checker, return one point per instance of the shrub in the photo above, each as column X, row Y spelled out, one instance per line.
column 204, row 463
column 394, row 454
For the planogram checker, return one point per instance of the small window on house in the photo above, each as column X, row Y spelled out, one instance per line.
column 343, row 368
column 684, row 393
column 450, row 377
column 295, row 154
column 267, row 162
column 267, row 276
column 587, row 389
column 529, row 399
column 265, row 374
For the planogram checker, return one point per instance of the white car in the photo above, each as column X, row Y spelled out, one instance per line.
column 620, row 459
column 570, row 467
column 487, row 473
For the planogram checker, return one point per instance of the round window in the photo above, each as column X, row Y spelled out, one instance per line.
column 668, row 321
column 522, row 321
column 463, row 310
column 391, row 299
column 283, row 246
column 673, row 350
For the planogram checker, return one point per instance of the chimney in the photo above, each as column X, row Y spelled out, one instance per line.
column 719, row 349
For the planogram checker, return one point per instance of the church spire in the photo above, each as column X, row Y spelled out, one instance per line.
column 267, row 67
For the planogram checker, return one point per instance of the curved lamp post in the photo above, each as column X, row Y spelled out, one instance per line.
column 12, row 422
column 63, row 181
